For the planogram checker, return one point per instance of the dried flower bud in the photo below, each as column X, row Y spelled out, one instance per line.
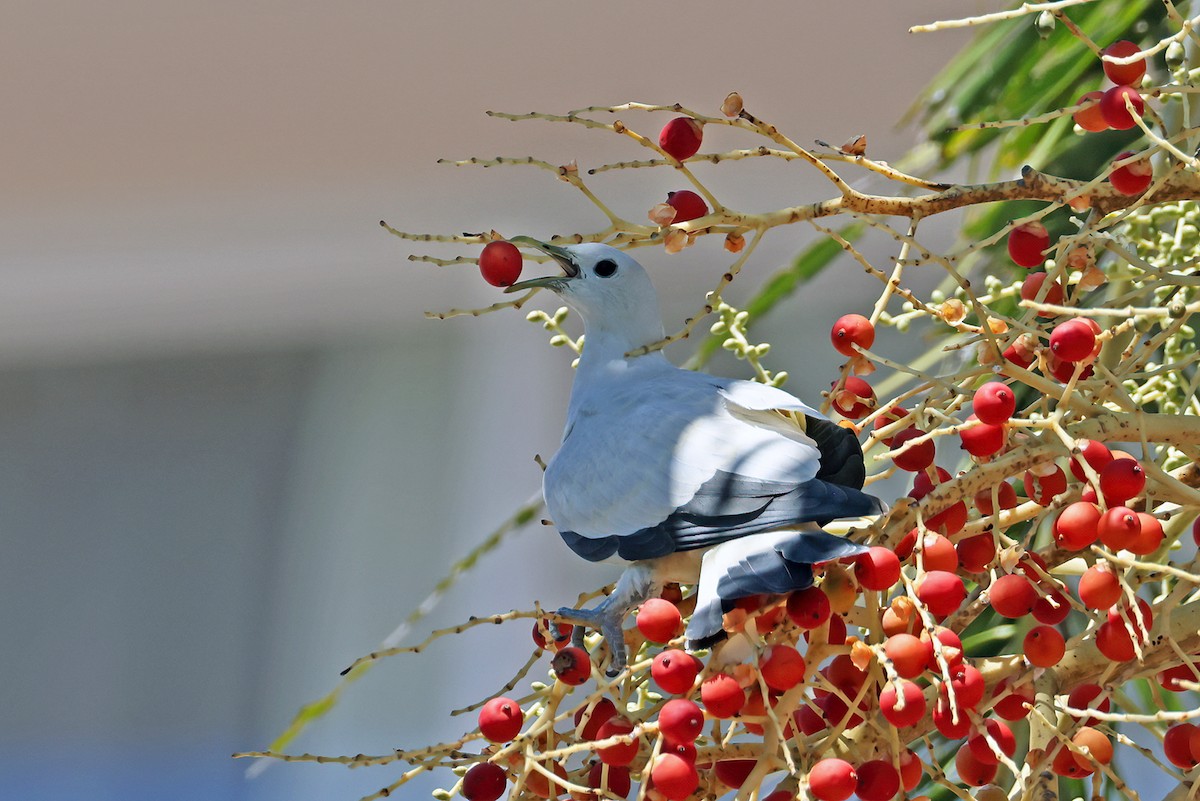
column 1026, row 346
column 953, row 311
column 568, row 171
column 1092, row 278
column 996, row 325
column 1081, row 203
column 675, row 240
column 861, row 655
column 732, row 105
column 855, row 146
column 662, row 214
column 1080, row 258
column 734, row 242
column 985, row 354
column 861, row 365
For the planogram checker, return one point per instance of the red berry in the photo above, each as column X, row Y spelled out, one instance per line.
column 1063, row 371
column 1064, row 763
column 1005, row 494
column 937, row 553
column 1112, row 106
column 500, row 719
column 914, row 703
column 561, row 635
column 878, row 780
column 1044, row 646
column 1012, row 596
column 1123, row 74
column 681, row 137
column 855, row 399
column 734, row 772
column 808, row 608
column 971, row 770
column 1051, row 609
column 1118, row 614
column 911, row 770
column 975, row 554
column 942, row 592
column 1099, row 587
column 1098, row 746
column 1027, row 242
column 1042, row 489
column 572, row 665
column 851, row 330
column 598, row 713
column 1000, row 732
column 917, row 457
column 1119, row 526
column 966, row 682
column 1083, row 696
column 618, row 782
column 1077, row 526
column 675, row 671
column 1171, row 677
column 945, row 722
column 1177, row 745
column 1113, row 640
column 658, row 620
column 681, row 720
column 1029, row 291
column 1122, row 479
column 620, row 753
column 722, row 696
column 1133, row 178
column 886, row 418
column 877, row 569
column 782, row 667
column 994, row 403
column 1149, row 538
column 1091, row 118
column 1011, row 701
column 1072, row 341
column 832, row 779
column 687, row 204
column 1096, row 454
column 484, row 782
column 500, row 263
column 924, row 482
column 983, row 439
column 674, row 777
column 907, row 654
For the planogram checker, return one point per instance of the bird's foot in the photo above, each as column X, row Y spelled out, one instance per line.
column 636, row 584
column 607, row 621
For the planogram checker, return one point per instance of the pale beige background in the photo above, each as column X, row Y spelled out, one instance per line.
column 232, row 453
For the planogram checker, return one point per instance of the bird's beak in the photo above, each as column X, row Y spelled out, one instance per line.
column 560, row 255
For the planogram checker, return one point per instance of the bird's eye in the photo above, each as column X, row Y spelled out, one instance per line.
column 606, row 268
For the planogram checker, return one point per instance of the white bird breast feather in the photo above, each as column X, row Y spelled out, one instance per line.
column 630, row 460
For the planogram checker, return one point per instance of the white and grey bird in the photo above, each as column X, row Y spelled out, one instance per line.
column 686, row 477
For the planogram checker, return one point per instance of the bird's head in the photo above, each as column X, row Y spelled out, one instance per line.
column 609, row 290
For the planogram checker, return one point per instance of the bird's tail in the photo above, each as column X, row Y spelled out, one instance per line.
column 775, row 563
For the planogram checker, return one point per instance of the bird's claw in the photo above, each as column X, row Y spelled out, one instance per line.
column 608, row 623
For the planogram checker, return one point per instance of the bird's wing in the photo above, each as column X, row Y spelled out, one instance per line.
column 773, row 562
column 687, row 462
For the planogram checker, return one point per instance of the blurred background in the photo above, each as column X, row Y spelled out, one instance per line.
column 233, row 452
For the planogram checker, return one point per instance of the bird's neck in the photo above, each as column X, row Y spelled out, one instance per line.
column 604, row 360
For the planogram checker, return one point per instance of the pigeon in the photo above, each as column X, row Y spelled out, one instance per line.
column 682, row 476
